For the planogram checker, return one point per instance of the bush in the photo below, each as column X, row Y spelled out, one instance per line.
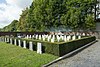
column 72, row 45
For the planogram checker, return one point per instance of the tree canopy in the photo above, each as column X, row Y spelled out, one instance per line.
column 44, row 14
column 11, row 27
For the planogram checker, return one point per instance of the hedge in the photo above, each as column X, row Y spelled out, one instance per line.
column 58, row 48
column 72, row 45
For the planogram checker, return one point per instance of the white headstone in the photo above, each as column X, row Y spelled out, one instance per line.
column 53, row 37
column 11, row 41
column 36, row 36
column 46, row 36
column 88, row 35
column 39, row 48
column 15, row 42
column 31, row 45
column 27, row 36
column 19, row 36
column 73, row 37
column 58, row 38
column 5, row 39
column 68, row 38
column 49, row 36
column 48, row 39
column 79, row 37
column 0, row 39
column 43, row 38
column 83, row 34
column 61, row 36
column 40, row 37
column 24, row 44
column 19, row 43
column 65, row 39
column 52, row 40
column 30, row 36
column 77, row 33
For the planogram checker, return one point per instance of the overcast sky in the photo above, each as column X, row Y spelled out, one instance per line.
column 11, row 9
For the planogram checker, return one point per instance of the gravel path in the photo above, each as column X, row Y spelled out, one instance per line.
column 89, row 57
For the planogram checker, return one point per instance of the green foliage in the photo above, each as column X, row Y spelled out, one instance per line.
column 89, row 23
column 11, row 27
column 77, row 11
column 0, row 29
column 22, row 24
column 44, row 14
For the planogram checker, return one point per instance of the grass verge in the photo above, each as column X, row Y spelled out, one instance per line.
column 14, row 56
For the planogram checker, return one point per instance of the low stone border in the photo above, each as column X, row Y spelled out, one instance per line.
column 69, row 54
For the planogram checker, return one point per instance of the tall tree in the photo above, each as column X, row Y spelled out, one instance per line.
column 44, row 14
column 22, row 24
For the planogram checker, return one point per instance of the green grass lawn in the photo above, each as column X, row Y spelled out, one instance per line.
column 14, row 56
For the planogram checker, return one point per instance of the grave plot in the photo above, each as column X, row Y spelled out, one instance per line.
column 54, row 38
column 58, row 45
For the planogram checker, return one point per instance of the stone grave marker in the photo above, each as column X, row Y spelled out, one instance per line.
column 48, row 39
column 65, row 39
column 15, row 42
column 19, row 43
column 24, row 44
column 58, row 38
column 27, row 36
column 40, row 37
column 39, row 48
column 44, row 37
column 31, row 46
column 30, row 36
column 83, row 34
column 36, row 36
column 68, row 38
column 5, row 39
column 79, row 37
column 52, row 40
column 73, row 37
column 11, row 41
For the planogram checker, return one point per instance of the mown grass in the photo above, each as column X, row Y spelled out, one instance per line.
column 14, row 56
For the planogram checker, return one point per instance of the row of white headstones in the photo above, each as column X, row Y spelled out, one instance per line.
column 40, row 37
column 53, row 38
column 9, row 40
